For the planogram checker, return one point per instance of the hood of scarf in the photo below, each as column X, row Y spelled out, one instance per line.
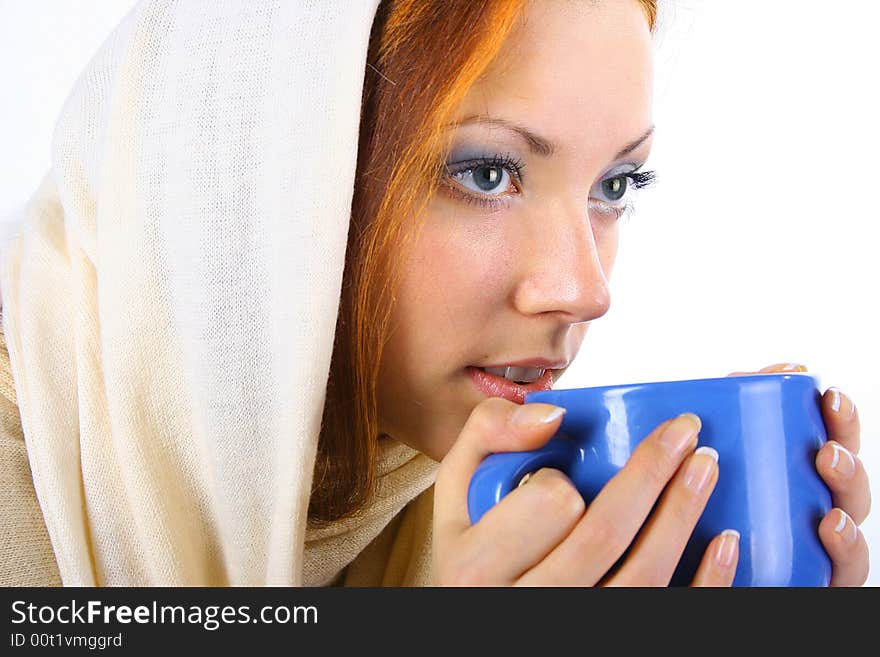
column 171, row 298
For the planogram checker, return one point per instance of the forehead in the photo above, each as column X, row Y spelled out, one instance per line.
column 572, row 68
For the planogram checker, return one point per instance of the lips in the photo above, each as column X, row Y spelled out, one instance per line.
column 541, row 363
column 497, row 386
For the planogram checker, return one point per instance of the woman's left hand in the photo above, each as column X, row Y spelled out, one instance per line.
column 839, row 466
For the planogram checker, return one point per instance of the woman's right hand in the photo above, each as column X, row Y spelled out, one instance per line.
column 542, row 533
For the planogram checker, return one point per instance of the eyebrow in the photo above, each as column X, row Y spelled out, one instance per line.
column 541, row 145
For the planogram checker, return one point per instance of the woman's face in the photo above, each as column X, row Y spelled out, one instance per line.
column 515, row 256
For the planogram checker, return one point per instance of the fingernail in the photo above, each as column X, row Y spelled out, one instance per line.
column 525, row 479
column 845, row 528
column 852, row 407
column 843, row 462
column 681, row 431
column 794, row 367
column 727, row 549
column 835, row 399
column 699, row 470
column 535, row 415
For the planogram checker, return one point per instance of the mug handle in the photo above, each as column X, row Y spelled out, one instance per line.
column 500, row 473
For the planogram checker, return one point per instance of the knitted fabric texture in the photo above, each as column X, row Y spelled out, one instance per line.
column 171, row 298
column 26, row 557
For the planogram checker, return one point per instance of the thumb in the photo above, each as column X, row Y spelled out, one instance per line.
column 495, row 425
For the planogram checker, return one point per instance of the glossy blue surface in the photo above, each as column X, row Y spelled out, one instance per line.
column 766, row 429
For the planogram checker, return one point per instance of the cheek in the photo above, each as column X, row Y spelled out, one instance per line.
column 453, row 278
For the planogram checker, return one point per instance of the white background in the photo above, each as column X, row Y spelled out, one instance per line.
column 756, row 246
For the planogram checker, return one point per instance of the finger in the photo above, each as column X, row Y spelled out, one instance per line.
column 783, row 367
column 777, row 367
column 495, row 425
column 621, row 507
column 845, row 476
column 841, row 419
column 718, row 567
column 519, row 531
column 846, row 547
column 655, row 554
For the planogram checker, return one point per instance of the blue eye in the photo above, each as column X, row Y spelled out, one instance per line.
column 484, row 180
column 609, row 192
column 615, row 188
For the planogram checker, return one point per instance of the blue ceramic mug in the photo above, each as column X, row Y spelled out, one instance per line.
column 766, row 429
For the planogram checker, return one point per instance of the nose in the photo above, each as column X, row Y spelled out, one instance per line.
column 563, row 267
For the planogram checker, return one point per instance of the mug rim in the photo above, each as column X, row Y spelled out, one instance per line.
column 712, row 380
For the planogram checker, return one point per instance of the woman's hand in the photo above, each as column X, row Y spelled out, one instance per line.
column 543, row 534
column 840, row 468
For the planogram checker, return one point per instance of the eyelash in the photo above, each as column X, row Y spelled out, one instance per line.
column 515, row 166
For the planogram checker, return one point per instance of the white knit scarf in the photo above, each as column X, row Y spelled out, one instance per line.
column 171, row 299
